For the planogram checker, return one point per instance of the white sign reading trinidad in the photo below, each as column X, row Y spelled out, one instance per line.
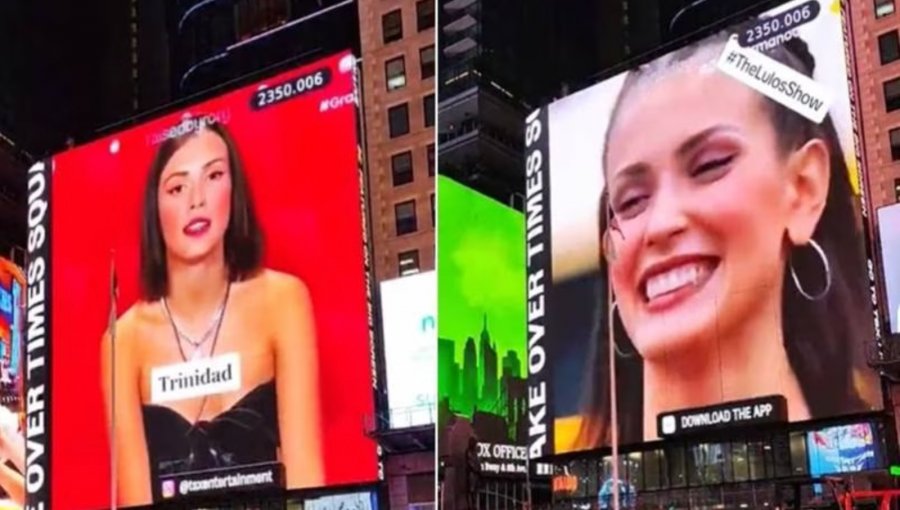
column 757, row 411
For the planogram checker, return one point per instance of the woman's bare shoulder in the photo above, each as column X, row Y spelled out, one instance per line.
column 130, row 326
column 278, row 285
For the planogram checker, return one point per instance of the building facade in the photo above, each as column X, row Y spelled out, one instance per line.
column 398, row 68
column 876, row 41
column 481, row 117
column 181, row 48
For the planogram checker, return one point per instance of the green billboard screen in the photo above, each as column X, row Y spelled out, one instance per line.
column 482, row 327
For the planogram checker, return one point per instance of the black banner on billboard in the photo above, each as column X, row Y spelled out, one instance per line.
column 376, row 343
column 539, row 269
column 37, row 359
column 245, row 478
column 862, row 165
column 741, row 413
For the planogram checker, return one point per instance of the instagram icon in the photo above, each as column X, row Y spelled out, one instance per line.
column 168, row 489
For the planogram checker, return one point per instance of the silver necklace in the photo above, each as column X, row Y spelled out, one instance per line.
column 207, row 335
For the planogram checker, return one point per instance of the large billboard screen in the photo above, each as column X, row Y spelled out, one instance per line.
column 481, row 334
column 409, row 329
column 889, row 237
column 695, row 232
column 198, row 311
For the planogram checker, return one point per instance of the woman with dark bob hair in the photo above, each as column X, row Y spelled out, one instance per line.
column 207, row 298
column 732, row 257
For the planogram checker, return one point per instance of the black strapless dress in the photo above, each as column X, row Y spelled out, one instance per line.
column 246, row 433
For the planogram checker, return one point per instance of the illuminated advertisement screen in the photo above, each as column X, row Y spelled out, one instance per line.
column 481, row 332
column 12, row 437
column 208, row 320
column 694, row 224
column 408, row 309
column 12, row 302
column 842, row 449
column 350, row 501
column 889, row 238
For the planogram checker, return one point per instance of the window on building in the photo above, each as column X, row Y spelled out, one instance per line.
column 592, row 477
column 405, row 217
column 432, row 210
column 395, row 73
column 728, row 463
column 892, row 94
column 402, row 168
column 426, row 61
column 677, row 476
column 781, row 454
column 897, row 190
column 634, row 469
column 398, row 120
column 889, row 46
column 604, row 471
column 428, row 105
column 884, row 8
column 430, row 152
column 740, row 467
column 894, row 137
column 577, row 468
column 799, row 465
column 392, row 26
column 652, row 465
column 425, row 14
column 756, row 460
column 408, row 262
column 663, row 469
column 705, row 463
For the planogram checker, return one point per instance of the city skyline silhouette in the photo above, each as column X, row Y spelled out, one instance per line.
column 483, row 384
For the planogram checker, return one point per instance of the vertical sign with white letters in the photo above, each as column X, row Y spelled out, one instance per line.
column 537, row 203
column 37, row 357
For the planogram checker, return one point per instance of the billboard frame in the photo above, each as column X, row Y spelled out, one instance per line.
column 38, row 269
column 541, row 434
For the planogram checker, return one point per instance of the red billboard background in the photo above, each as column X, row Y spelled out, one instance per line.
column 301, row 161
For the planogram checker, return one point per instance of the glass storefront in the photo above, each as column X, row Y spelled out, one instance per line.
column 756, row 470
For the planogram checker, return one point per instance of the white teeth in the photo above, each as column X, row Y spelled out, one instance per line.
column 674, row 279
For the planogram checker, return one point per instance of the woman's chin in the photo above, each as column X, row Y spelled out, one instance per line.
column 194, row 255
column 665, row 342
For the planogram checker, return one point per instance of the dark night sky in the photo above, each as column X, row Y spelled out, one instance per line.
column 65, row 65
column 62, row 63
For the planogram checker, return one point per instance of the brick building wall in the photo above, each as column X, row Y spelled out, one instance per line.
column 410, row 479
column 883, row 164
column 876, row 42
column 416, row 35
